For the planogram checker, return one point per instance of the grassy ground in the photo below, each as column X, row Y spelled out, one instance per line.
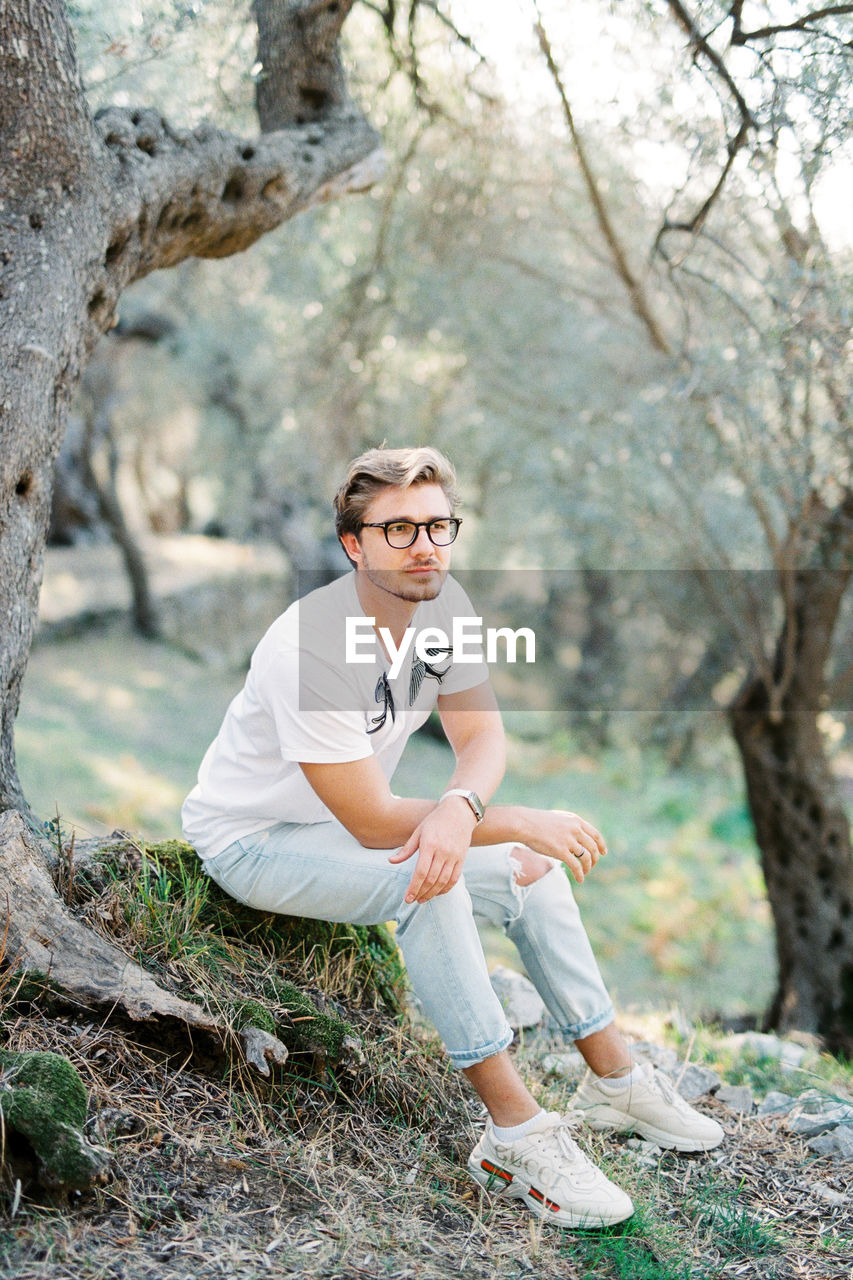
column 336, row 1170
column 112, row 729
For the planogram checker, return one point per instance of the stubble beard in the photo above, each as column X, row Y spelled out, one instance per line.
column 397, row 584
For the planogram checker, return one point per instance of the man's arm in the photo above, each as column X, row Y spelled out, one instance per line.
column 359, row 796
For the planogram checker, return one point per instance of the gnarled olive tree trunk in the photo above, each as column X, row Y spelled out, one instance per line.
column 89, row 205
column 801, row 827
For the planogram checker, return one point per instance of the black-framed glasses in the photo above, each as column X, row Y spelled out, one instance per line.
column 402, row 533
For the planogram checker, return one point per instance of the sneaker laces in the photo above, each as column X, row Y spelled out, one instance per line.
column 667, row 1090
column 558, row 1129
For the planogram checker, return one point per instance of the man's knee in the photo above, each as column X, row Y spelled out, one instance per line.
column 528, row 866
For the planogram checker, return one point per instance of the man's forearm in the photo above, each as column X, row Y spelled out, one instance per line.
column 480, row 765
column 504, row 822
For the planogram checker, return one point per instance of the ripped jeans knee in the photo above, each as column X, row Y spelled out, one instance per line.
column 526, row 866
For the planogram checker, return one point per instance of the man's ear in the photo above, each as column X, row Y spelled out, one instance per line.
column 351, row 546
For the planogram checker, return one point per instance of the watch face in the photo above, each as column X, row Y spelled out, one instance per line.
column 476, row 804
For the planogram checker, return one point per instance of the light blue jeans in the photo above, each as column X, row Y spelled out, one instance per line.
column 321, row 872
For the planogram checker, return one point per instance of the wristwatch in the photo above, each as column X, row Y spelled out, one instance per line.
column 477, row 807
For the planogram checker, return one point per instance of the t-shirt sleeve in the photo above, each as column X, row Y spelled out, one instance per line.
column 315, row 712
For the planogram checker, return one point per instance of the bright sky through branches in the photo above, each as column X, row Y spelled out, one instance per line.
column 615, row 71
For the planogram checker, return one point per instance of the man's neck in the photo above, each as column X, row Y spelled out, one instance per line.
column 386, row 609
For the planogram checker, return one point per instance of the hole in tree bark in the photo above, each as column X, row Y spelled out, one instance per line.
column 36, row 221
column 115, row 249
column 845, row 909
column 275, row 187
column 147, row 144
column 316, row 99
column 24, row 486
column 836, row 938
column 234, row 188
column 248, row 153
column 96, row 301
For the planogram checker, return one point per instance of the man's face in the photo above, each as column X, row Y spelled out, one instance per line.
column 410, row 573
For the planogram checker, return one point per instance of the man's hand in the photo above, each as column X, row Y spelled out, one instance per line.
column 441, row 842
column 566, row 836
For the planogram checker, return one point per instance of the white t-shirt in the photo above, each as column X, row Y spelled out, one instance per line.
column 303, row 701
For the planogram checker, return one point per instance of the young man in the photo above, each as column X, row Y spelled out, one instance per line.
column 293, row 812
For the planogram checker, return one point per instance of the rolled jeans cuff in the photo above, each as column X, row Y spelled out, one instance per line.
column 462, row 1058
column 579, row 1030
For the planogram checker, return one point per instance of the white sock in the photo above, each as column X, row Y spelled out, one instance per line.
column 517, row 1130
column 615, row 1085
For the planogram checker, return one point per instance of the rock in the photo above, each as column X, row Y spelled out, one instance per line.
column 659, row 1056
column 694, row 1081
column 828, row 1194
column 566, row 1066
column 763, row 1045
column 839, row 1142
column 43, row 1101
column 814, row 1114
column 521, row 1002
column 776, row 1103
column 646, row 1154
column 737, row 1097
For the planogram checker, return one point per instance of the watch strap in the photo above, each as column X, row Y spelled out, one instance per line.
column 477, row 807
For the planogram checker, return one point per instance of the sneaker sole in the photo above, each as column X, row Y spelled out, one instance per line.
column 670, row 1141
column 510, row 1186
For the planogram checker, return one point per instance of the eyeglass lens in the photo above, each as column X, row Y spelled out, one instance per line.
column 404, row 532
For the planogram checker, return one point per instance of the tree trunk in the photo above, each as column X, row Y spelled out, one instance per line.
column 41, row 936
column 87, row 206
column 800, row 824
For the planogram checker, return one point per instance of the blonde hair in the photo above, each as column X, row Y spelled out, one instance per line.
column 378, row 469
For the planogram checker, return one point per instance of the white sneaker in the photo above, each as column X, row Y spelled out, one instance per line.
column 651, row 1108
column 547, row 1170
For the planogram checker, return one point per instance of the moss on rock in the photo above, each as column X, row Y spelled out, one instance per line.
column 306, row 1029
column 378, row 975
column 248, row 1013
column 43, row 1101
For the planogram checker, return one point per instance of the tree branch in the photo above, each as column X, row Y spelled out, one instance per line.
column 804, row 23
column 636, row 292
column 301, row 79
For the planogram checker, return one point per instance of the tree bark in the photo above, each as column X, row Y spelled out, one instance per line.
column 88, row 206
column 800, row 824
column 42, row 936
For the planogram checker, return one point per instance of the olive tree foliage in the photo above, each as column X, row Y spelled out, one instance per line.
column 745, row 298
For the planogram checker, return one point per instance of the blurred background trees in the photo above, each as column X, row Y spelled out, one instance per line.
column 608, row 271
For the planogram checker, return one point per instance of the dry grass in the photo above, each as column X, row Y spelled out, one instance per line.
column 359, row 1170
